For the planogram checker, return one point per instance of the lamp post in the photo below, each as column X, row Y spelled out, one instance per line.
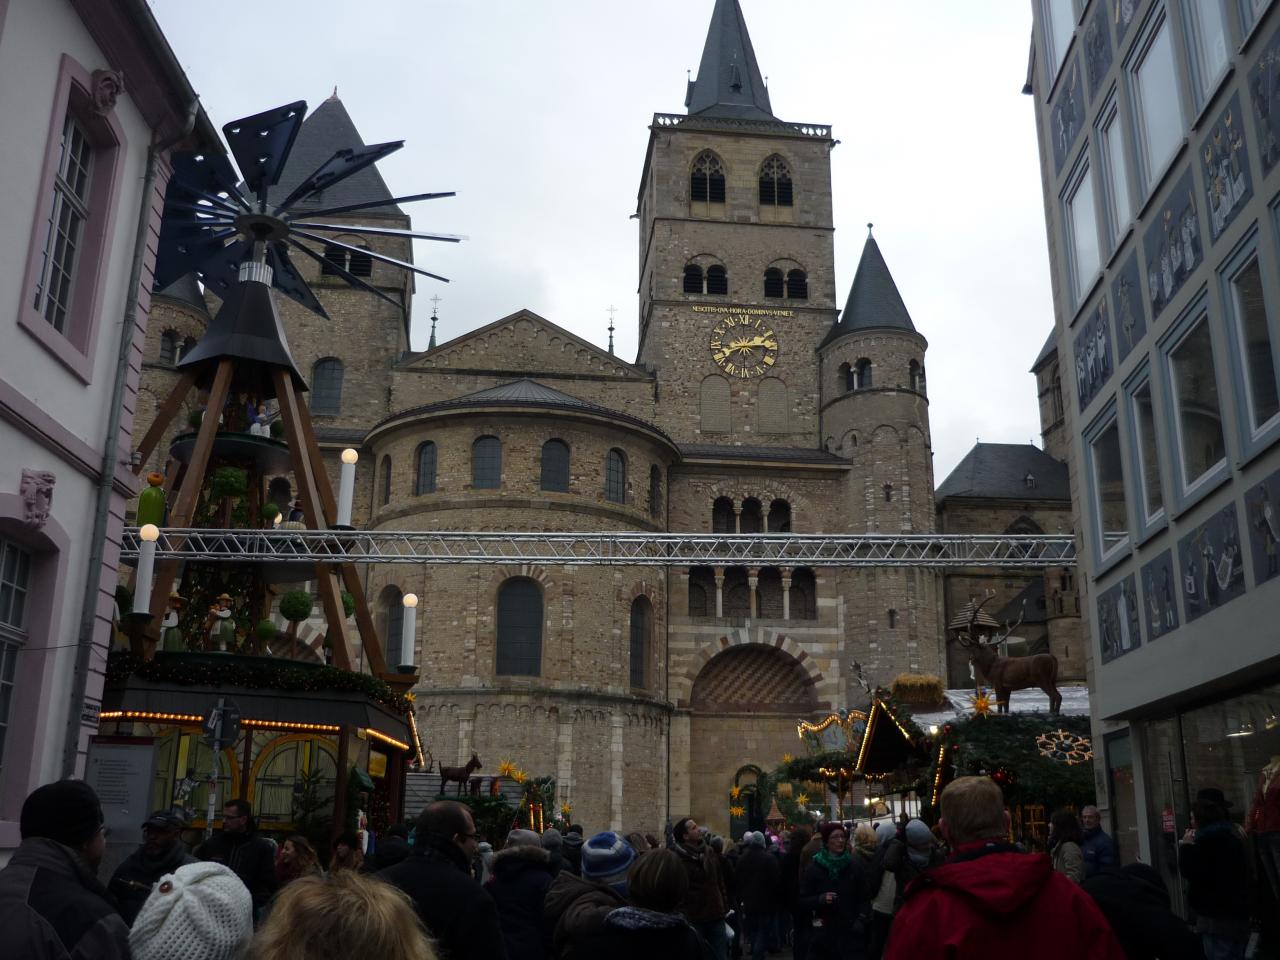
column 408, row 630
column 148, row 533
column 346, row 487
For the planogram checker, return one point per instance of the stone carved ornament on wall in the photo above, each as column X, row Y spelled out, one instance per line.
column 105, row 88
column 37, row 496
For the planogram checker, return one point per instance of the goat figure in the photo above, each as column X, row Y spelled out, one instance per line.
column 1006, row 674
column 458, row 775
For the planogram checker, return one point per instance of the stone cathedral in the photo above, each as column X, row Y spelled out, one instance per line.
column 755, row 404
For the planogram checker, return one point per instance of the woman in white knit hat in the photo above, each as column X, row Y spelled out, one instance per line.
column 199, row 912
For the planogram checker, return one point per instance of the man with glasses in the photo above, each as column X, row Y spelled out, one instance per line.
column 162, row 852
column 51, row 903
column 251, row 857
column 458, row 912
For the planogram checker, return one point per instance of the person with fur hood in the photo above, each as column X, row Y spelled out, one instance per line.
column 518, row 883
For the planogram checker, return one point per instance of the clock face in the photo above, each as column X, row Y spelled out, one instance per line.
column 744, row 346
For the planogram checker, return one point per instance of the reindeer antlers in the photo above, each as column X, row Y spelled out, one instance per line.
column 1008, row 630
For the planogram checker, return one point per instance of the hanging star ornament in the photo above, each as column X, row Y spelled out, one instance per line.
column 215, row 221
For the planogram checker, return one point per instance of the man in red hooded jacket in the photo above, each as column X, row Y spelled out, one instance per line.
column 990, row 896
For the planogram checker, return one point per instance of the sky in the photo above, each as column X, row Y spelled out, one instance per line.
column 537, row 111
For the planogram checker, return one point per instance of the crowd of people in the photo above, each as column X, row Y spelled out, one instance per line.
column 843, row 892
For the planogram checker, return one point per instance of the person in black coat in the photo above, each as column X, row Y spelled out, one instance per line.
column 651, row 925
column 1135, row 902
column 518, row 884
column 789, row 892
column 1215, row 864
column 161, row 852
column 757, row 888
column 389, row 849
column 237, row 845
column 835, row 887
column 457, row 912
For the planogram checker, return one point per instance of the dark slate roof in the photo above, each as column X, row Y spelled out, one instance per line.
column 874, row 301
column 1035, row 612
column 327, row 130
column 186, row 290
column 727, row 452
column 729, row 83
column 1049, row 349
column 999, row 470
column 524, row 393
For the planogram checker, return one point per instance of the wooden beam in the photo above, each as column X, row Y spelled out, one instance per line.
column 164, row 416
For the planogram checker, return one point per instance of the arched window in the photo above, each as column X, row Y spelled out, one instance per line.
column 337, row 259
column 862, row 374
column 804, row 595
column 779, row 517
column 846, row 377
column 774, row 285
column 737, row 594
column 715, row 405
column 641, row 634
column 391, row 602
column 769, row 594
column 555, row 466
column 722, row 519
column 692, row 278
column 916, row 372
column 893, row 618
column 425, row 480
column 706, row 180
column 797, row 285
column 888, row 493
column 326, row 387
column 486, row 463
column 655, row 491
column 717, row 279
column 702, row 592
column 168, row 347
column 752, row 518
column 188, row 344
column 519, row 629
column 1056, row 397
column 775, row 183
column 386, row 480
column 360, row 264
column 615, row 476
column 771, row 406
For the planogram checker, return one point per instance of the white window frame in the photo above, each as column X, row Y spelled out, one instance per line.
column 1106, row 555
column 68, row 215
column 1150, row 167
column 1253, row 439
column 1204, row 77
column 1080, row 283
column 13, row 629
column 1149, row 521
column 1117, row 190
column 1055, row 58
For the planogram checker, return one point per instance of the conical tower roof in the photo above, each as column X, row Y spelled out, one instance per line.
column 729, row 83
column 874, row 301
column 186, row 289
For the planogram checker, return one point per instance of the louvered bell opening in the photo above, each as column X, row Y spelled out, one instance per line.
column 335, row 258
column 768, row 195
column 692, row 279
column 797, row 285
column 773, row 283
column 715, row 188
column 717, row 280
column 698, row 188
column 784, row 192
column 361, row 265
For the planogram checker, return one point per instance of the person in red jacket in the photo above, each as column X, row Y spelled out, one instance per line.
column 990, row 896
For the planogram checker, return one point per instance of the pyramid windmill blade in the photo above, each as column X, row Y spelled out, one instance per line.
column 221, row 273
column 261, row 144
column 372, row 204
column 351, row 278
column 205, row 176
column 378, row 231
column 187, row 246
column 337, row 168
column 363, row 251
column 287, row 280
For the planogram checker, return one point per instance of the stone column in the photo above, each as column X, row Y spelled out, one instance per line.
column 753, row 579
column 681, row 755
column 786, row 593
column 618, row 723
column 564, row 759
column 719, row 575
column 466, row 726
column 737, row 518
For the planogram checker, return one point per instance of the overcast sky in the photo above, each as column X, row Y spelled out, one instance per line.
column 536, row 112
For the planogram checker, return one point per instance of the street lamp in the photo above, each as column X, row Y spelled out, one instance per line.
column 346, row 487
column 149, row 533
column 408, row 630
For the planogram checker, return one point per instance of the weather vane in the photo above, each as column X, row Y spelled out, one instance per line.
column 612, row 311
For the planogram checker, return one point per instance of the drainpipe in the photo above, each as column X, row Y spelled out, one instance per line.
column 111, row 450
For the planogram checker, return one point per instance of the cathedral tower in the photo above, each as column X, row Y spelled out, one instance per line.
column 737, row 284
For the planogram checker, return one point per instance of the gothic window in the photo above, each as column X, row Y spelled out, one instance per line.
column 392, row 611
column 916, row 373
column 425, row 479
column 774, row 285
column 702, row 592
column 717, row 279
column 769, row 594
column 847, row 378
column 692, row 278
column 555, row 466
column 486, row 463
column 615, row 476
column 771, row 406
column 775, row 183
column 655, row 491
column 519, row 633
column 804, row 595
column 752, row 519
column 715, row 405
column 797, row 285
column 336, row 259
column 893, row 618
column 386, row 480
column 641, row 632
column 326, row 387
column 722, row 520
column 168, row 347
column 1056, row 397
column 706, row 181
column 779, row 517
column 862, row 374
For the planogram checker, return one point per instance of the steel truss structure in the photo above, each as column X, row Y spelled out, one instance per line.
column 609, row 548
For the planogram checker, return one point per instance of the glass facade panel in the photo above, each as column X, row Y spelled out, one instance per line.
column 1201, row 446
column 1156, row 100
column 1144, row 425
column 1083, row 223
column 1254, row 343
column 1118, row 202
column 1207, row 38
column 1108, row 485
column 1124, row 800
column 1060, row 23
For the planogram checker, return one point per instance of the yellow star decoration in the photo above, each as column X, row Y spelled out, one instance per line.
column 566, row 810
column 787, row 758
column 735, row 793
column 982, row 703
column 737, row 812
column 519, row 776
column 802, row 799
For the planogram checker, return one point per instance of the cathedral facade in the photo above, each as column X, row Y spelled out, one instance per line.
column 755, row 404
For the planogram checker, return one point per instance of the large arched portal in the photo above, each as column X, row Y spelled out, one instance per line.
column 745, row 703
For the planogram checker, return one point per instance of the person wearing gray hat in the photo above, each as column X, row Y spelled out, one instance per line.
column 161, row 852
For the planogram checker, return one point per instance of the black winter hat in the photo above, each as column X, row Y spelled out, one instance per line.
column 67, row 811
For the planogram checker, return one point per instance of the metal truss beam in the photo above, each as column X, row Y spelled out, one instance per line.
column 609, row 549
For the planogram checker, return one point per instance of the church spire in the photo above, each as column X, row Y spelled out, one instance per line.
column 729, row 83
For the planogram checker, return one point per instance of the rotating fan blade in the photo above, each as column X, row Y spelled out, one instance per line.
column 370, row 204
column 261, row 144
column 287, row 280
column 187, row 245
column 378, row 231
column 221, row 273
column 364, row 251
column 351, row 278
column 338, row 167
